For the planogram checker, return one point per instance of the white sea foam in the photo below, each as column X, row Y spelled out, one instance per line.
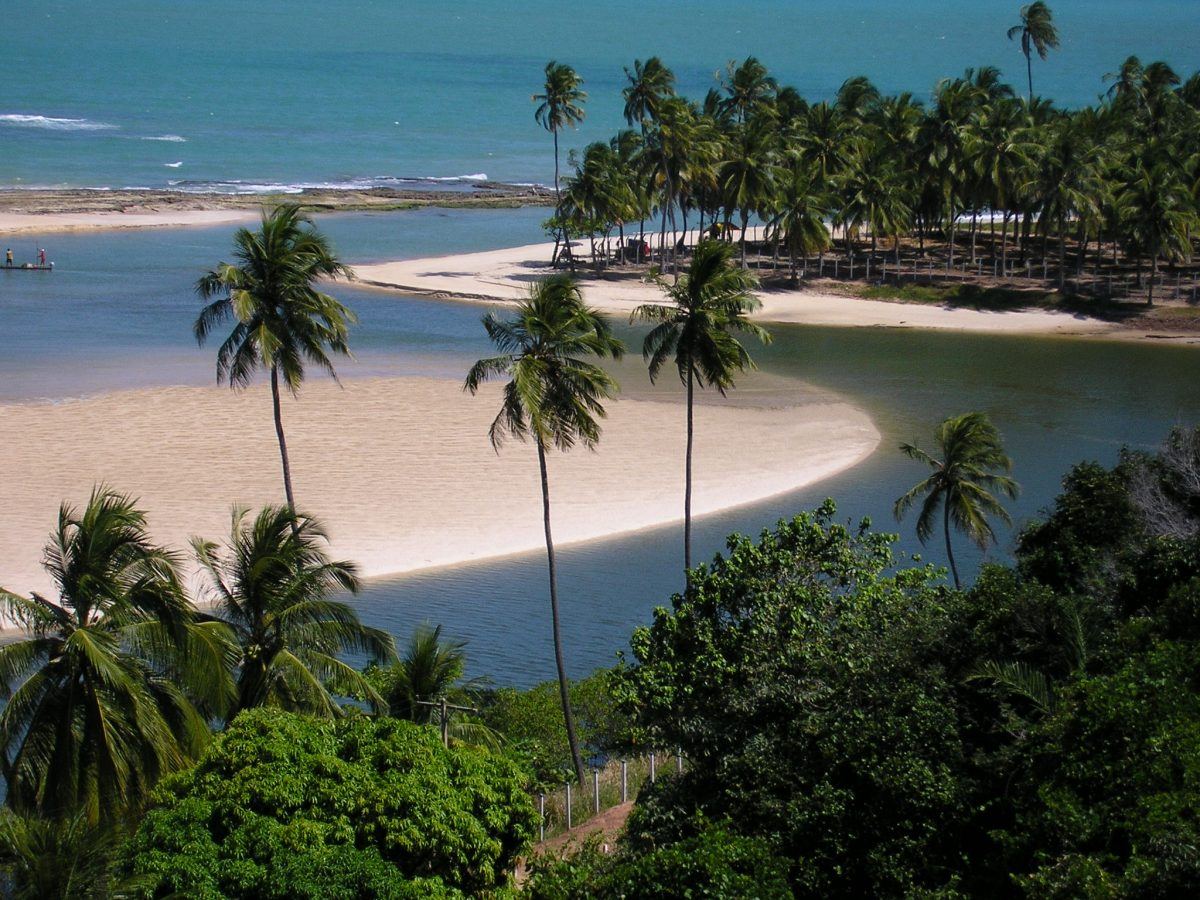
column 237, row 186
column 174, row 165
column 51, row 123
column 169, row 138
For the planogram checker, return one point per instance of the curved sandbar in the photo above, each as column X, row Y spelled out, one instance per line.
column 505, row 275
column 400, row 469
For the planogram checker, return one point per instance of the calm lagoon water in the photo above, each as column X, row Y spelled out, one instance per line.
column 291, row 92
column 117, row 312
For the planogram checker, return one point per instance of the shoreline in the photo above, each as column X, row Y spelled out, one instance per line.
column 81, row 209
column 417, row 484
column 503, row 276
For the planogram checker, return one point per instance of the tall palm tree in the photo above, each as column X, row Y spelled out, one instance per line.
column 748, row 176
column 112, row 685
column 67, row 859
column 283, row 323
column 696, row 329
column 1038, row 33
column 650, row 83
column 272, row 583
column 1156, row 215
column 799, row 214
column 554, row 395
column 963, row 482
column 560, row 105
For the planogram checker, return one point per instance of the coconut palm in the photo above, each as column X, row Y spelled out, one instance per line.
column 650, row 83
column 1156, row 214
column 1038, row 33
column 696, row 330
column 747, row 86
column 799, row 215
column 272, row 584
column 554, row 395
column 748, row 176
column 560, row 105
column 113, row 682
column 65, row 859
column 283, row 323
column 963, row 482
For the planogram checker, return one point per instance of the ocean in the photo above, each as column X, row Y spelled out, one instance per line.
column 249, row 97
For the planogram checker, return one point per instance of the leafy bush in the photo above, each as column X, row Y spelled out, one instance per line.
column 289, row 807
column 715, row 862
column 532, row 721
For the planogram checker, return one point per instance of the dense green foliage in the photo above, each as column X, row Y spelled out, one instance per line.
column 111, row 685
column 716, row 863
column 288, row 807
column 531, row 720
column 1122, row 173
column 1036, row 735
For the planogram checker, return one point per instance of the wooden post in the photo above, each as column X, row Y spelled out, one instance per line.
column 541, row 817
column 652, row 767
column 445, row 724
column 624, row 781
column 568, row 806
column 596, row 791
column 678, row 761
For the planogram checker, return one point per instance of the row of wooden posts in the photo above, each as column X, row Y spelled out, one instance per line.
column 654, row 759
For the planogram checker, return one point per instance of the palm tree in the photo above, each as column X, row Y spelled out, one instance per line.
column 709, row 303
column 748, row 176
column 747, row 86
column 561, row 105
column 1156, row 213
column 650, row 83
column 67, row 859
column 114, row 682
column 271, row 584
column 431, row 668
column 963, row 482
column 799, row 215
column 1038, row 33
column 283, row 322
column 555, row 395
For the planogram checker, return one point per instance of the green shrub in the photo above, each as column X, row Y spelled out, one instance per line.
column 283, row 806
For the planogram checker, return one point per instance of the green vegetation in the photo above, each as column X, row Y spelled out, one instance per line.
column 1077, row 195
column 556, row 395
column 962, row 482
column 283, row 806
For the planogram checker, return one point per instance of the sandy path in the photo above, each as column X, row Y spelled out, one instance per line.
column 507, row 274
column 400, row 469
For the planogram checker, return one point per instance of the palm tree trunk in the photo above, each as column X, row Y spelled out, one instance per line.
column 559, row 237
column 687, row 479
column 1153, row 276
column 1029, row 71
column 563, row 691
column 283, row 453
column 949, row 549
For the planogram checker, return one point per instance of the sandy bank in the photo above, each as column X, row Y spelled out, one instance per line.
column 79, row 209
column 506, row 274
column 400, row 469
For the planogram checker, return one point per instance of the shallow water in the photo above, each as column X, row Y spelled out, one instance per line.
column 275, row 93
column 117, row 313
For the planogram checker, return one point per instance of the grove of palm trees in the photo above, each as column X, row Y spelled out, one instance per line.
column 974, row 185
column 822, row 713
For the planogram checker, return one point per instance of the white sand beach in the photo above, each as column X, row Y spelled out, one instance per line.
column 401, row 470
column 505, row 275
column 45, row 223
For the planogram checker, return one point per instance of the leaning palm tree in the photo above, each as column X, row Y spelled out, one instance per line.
column 963, row 482
column 272, row 584
column 283, row 323
column 709, row 303
column 560, row 105
column 1038, row 33
column 113, row 683
column 554, row 395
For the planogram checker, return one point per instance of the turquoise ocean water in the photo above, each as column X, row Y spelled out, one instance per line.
column 253, row 95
